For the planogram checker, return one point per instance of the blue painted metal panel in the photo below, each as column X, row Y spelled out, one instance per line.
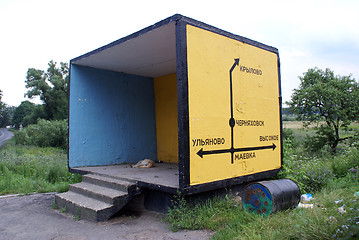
column 112, row 118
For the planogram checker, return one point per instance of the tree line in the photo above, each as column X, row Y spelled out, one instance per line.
column 51, row 86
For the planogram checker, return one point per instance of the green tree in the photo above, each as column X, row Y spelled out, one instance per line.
column 52, row 88
column 26, row 108
column 328, row 100
column 6, row 115
column 37, row 113
column 1, row 103
column 2, row 108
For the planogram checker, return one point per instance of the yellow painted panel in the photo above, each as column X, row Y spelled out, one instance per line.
column 215, row 63
column 166, row 118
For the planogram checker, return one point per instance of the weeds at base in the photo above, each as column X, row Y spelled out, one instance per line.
column 54, row 205
column 76, row 217
column 63, row 210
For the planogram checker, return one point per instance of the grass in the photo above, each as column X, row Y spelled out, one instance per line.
column 327, row 177
column 229, row 221
column 63, row 210
column 76, row 217
column 27, row 169
column 54, row 205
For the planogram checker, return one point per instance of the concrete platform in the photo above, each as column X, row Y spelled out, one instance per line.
column 164, row 176
column 159, row 186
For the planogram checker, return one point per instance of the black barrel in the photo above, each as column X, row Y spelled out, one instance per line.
column 267, row 197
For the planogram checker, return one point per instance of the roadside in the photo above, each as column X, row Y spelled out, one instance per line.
column 32, row 217
column 5, row 135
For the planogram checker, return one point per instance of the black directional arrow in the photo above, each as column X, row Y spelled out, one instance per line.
column 233, row 150
column 201, row 152
column 231, row 120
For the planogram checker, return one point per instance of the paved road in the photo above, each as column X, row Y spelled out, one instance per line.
column 5, row 134
column 32, row 217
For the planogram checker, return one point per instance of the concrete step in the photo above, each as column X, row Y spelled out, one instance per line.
column 97, row 197
column 84, row 206
column 105, row 194
column 117, row 184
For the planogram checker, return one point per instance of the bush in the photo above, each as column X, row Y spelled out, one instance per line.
column 288, row 134
column 44, row 134
column 311, row 172
column 316, row 176
column 354, row 141
column 314, row 143
column 311, row 176
column 341, row 165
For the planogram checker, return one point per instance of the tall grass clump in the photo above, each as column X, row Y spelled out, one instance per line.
column 211, row 214
column 44, row 134
column 26, row 169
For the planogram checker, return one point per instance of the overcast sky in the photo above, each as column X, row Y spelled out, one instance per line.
column 307, row 33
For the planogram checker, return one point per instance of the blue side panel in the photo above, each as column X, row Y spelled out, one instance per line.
column 112, row 118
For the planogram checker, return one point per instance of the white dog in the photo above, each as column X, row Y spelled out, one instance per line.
column 145, row 163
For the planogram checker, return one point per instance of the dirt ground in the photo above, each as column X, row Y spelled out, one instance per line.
column 32, row 217
column 296, row 124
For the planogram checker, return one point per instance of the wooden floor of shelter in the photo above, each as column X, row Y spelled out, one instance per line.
column 162, row 175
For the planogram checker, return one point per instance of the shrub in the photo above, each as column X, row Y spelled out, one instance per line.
column 313, row 170
column 314, row 143
column 342, row 164
column 288, row 134
column 44, row 134
column 354, row 141
column 310, row 172
column 316, row 176
column 311, row 176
